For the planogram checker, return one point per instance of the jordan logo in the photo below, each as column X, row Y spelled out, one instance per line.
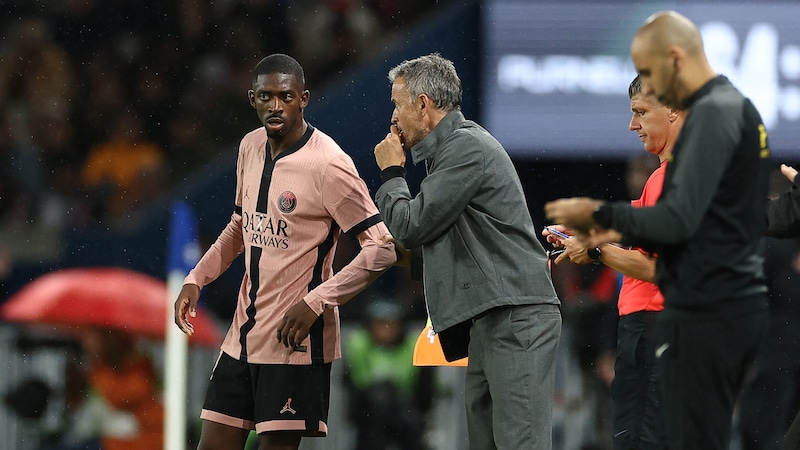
column 288, row 407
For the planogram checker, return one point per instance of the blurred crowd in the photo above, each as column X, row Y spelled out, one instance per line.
column 106, row 105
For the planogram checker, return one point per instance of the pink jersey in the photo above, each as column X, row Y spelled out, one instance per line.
column 289, row 213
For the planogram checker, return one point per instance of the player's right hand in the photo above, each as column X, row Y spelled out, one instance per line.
column 186, row 303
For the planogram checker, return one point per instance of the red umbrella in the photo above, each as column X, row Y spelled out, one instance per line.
column 105, row 297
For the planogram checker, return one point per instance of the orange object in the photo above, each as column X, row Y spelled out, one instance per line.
column 131, row 388
column 428, row 350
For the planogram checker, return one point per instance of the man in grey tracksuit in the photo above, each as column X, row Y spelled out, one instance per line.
column 487, row 286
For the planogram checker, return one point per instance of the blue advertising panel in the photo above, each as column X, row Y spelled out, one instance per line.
column 555, row 74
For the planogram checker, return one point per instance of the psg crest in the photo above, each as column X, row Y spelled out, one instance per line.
column 287, row 201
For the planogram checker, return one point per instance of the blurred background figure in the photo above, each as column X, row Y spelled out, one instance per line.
column 637, row 171
column 771, row 395
column 124, row 171
column 589, row 296
column 343, row 29
column 109, row 398
column 123, row 381
column 582, row 412
column 389, row 397
column 83, row 416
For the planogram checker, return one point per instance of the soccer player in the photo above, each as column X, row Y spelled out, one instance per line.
column 296, row 191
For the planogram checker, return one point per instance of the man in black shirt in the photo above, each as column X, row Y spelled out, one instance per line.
column 706, row 229
column 783, row 221
column 783, row 213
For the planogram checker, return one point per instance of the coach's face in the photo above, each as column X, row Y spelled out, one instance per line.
column 407, row 114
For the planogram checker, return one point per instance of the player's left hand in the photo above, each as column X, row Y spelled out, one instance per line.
column 295, row 326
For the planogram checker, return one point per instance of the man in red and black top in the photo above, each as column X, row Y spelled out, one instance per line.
column 634, row 390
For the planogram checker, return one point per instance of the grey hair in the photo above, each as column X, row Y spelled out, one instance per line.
column 433, row 76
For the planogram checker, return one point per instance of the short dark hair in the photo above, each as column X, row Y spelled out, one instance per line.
column 279, row 63
column 635, row 87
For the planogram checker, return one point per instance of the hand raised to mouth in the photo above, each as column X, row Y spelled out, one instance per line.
column 390, row 151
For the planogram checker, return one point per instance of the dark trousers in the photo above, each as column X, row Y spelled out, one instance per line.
column 769, row 400
column 792, row 439
column 702, row 362
column 384, row 416
column 634, row 391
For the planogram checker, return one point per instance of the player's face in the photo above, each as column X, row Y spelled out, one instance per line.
column 279, row 100
column 659, row 73
column 651, row 121
column 407, row 114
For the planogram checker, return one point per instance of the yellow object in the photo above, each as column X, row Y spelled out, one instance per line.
column 428, row 350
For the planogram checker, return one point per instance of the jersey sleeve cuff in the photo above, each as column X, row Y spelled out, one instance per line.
column 192, row 279
column 603, row 215
column 392, row 172
column 315, row 302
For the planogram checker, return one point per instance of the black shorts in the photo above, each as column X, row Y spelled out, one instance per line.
column 269, row 397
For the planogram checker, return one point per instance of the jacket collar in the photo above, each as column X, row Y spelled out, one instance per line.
column 427, row 147
column 704, row 90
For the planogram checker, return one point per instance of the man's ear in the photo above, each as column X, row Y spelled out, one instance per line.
column 673, row 115
column 251, row 96
column 422, row 103
column 677, row 55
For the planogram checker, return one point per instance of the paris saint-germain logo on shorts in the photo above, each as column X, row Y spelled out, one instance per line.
column 287, row 201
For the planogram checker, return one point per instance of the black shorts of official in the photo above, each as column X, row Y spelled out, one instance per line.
column 634, row 391
column 269, row 397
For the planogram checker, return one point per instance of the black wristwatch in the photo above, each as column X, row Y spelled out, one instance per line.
column 594, row 254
